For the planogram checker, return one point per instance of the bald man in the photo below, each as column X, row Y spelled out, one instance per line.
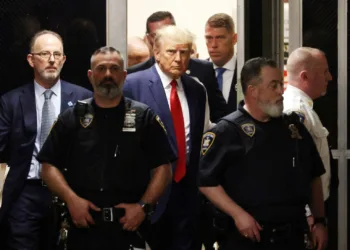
column 308, row 77
column 138, row 51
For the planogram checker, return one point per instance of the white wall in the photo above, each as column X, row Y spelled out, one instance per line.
column 190, row 14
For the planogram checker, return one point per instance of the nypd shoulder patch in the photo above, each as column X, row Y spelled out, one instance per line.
column 248, row 129
column 161, row 123
column 207, row 141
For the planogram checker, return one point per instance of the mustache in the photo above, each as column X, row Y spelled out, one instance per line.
column 108, row 79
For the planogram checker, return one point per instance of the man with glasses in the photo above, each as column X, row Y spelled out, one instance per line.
column 26, row 116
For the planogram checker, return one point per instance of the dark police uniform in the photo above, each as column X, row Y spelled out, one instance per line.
column 106, row 156
column 267, row 169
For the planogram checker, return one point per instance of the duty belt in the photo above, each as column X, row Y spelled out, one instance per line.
column 108, row 215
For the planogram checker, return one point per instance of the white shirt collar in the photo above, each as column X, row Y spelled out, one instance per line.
column 166, row 80
column 230, row 65
column 302, row 94
column 55, row 88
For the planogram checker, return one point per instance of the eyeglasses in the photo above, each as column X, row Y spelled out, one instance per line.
column 47, row 55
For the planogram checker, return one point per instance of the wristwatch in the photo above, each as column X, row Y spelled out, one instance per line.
column 321, row 220
column 147, row 209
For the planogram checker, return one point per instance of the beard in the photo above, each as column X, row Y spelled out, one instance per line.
column 110, row 90
column 50, row 76
column 272, row 110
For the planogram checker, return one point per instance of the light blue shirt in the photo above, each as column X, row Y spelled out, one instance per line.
column 35, row 166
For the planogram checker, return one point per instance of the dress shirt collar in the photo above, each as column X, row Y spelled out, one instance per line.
column 166, row 80
column 40, row 89
column 302, row 94
column 230, row 65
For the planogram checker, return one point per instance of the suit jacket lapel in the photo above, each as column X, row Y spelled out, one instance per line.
column 157, row 90
column 232, row 97
column 28, row 105
column 192, row 103
column 66, row 97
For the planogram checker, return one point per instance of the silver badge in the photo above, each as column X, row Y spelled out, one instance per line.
column 86, row 120
column 129, row 121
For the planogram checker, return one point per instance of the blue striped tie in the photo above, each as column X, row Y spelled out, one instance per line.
column 48, row 116
column 219, row 74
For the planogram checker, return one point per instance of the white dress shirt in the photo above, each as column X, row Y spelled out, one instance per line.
column 35, row 167
column 207, row 123
column 298, row 101
column 166, row 80
column 227, row 76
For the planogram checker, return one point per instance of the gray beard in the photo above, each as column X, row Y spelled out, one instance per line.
column 111, row 91
column 272, row 110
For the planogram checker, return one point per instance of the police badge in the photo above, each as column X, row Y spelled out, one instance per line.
column 248, row 129
column 129, row 121
column 295, row 132
column 86, row 120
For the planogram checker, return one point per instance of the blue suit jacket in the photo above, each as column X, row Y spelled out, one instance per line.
column 18, row 130
column 203, row 70
column 146, row 87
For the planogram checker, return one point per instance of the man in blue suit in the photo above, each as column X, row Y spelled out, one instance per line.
column 221, row 38
column 26, row 115
column 199, row 69
column 180, row 102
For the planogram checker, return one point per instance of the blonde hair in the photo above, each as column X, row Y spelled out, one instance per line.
column 175, row 34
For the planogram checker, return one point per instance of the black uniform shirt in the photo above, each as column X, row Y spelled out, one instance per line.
column 101, row 159
column 260, row 166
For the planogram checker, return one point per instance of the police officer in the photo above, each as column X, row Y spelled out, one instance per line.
column 108, row 160
column 261, row 168
column 308, row 77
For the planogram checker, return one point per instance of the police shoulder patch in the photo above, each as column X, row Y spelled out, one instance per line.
column 86, row 120
column 248, row 129
column 161, row 123
column 207, row 141
column 301, row 115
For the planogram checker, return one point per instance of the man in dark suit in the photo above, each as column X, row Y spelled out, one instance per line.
column 221, row 38
column 180, row 102
column 26, row 115
column 200, row 69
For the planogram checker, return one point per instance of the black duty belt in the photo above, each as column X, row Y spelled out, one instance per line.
column 283, row 232
column 108, row 215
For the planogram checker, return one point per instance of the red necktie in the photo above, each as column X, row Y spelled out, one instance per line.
column 179, row 126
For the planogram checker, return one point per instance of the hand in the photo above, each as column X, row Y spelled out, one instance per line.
column 320, row 236
column 310, row 222
column 248, row 226
column 134, row 215
column 79, row 211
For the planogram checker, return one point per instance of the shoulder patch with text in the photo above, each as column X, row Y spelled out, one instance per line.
column 207, row 141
